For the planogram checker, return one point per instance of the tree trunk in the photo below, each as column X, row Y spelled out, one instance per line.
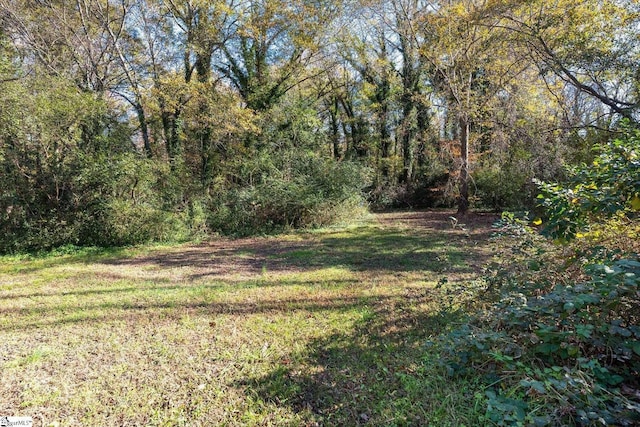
column 335, row 129
column 384, row 132
column 407, row 138
column 463, row 201
column 144, row 129
column 170, row 129
column 203, row 68
column 206, row 174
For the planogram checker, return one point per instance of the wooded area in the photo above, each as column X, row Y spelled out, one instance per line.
column 187, row 122
column 135, row 120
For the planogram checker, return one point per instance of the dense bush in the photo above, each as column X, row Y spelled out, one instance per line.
column 608, row 186
column 289, row 189
column 557, row 339
column 111, row 202
column 498, row 188
column 554, row 348
column 70, row 175
column 428, row 188
column 129, row 200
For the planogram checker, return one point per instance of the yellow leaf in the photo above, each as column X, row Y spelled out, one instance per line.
column 579, row 235
column 635, row 203
column 537, row 221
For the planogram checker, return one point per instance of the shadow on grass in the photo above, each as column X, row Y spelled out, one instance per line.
column 33, row 263
column 154, row 286
column 132, row 309
column 361, row 249
column 377, row 374
column 402, row 242
column 393, row 250
column 371, row 374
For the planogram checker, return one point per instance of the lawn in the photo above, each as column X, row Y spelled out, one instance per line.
column 316, row 328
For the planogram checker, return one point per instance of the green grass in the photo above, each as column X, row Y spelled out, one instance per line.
column 324, row 328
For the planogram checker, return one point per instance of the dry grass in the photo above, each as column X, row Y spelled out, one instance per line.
column 323, row 328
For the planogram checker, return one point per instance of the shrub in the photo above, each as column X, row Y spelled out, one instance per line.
column 563, row 346
column 554, row 348
column 128, row 199
column 289, row 190
column 98, row 199
column 610, row 185
column 502, row 188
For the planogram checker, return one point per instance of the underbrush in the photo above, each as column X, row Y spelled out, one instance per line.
column 555, row 332
column 289, row 190
column 558, row 340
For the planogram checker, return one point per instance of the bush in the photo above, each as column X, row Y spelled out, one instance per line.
column 558, row 348
column 289, row 190
column 559, row 341
column 102, row 199
column 502, row 188
column 610, row 185
column 129, row 199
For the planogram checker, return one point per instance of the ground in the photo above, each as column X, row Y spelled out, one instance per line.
column 325, row 327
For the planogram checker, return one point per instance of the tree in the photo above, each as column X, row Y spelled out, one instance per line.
column 343, row 98
column 469, row 63
column 402, row 17
column 268, row 44
column 589, row 44
column 381, row 45
column 200, row 25
column 369, row 55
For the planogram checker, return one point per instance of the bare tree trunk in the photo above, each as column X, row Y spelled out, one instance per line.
column 385, row 134
column 463, row 201
column 335, row 129
column 170, row 126
column 407, row 137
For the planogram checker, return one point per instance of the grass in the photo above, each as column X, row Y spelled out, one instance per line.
column 322, row 328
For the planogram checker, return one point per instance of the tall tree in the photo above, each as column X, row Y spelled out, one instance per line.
column 469, row 61
column 200, row 23
column 414, row 99
column 369, row 55
column 269, row 43
column 591, row 45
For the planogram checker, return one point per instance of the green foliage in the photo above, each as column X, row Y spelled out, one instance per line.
column 70, row 175
column 41, row 131
column 127, row 201
column 610, row 185
column 554, row 348
column 501, row 187
column 427, row 188
column 256, row 82
column 291, row 123
column 288, row 189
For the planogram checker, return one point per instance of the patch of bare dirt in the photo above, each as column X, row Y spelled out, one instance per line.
column 476, row 226
column 224, row 258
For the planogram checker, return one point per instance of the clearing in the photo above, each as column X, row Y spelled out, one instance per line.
column 313, row 328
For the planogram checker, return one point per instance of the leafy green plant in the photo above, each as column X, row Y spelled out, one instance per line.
column 555, row 335
column 574, row 347
column 289, row 190
column 611, row 184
